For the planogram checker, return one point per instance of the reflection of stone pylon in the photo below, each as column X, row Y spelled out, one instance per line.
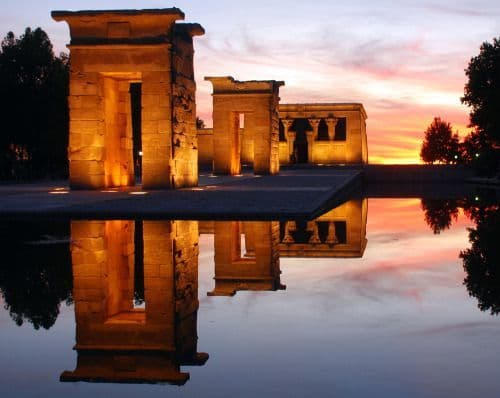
column 332, row 236
column 315, row 233
column 115, row 341
column 289, row 227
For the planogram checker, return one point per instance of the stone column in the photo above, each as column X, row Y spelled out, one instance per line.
column 311, row 137
column 310, row 143
column 332, row 237
column 315, row 125
column 331, row 122
column 287, row 123
column 289, row 226
column 291, row 143
column 315, row 236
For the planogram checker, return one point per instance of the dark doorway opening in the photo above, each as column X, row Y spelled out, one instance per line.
column 301, row 150
column 136, row 109
column 139, row 294
column 323, row 131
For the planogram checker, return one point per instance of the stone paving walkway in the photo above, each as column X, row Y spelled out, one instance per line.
column 292, row 194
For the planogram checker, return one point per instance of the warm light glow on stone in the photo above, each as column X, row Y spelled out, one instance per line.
column 138, row 193
column 255, row 102
column 110, row 324
column 340, row 232
column 234, row 270
column 107, row 57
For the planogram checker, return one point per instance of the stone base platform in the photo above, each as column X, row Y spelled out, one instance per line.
column 291, row 194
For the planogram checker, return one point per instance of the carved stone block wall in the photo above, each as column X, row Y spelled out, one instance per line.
column 257, row 101
column 109, row 51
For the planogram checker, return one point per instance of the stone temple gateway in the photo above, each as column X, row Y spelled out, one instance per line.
column 258, row 102
column 110, row 51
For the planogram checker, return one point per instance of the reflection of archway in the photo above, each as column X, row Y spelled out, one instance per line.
column 130, row 330
column 301, row 147
column 258, row 269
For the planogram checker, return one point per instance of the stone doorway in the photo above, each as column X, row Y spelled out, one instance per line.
column 118, row 128
column 301, row 146
column 255, row 103
column 113, row 51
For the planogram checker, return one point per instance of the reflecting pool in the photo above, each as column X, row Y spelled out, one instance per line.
column 377, row 297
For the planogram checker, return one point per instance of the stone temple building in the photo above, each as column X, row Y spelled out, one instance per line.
column 329, row 133
column 132, row 109
column 115, row 54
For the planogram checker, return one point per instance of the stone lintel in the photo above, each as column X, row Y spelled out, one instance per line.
column 191, row 29
column 96, row 13
column 119, row 26
column 228, row 85
column 288, row 110
column 120, row 46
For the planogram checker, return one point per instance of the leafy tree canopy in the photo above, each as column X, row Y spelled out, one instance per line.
column 482, row 91
column 33, row 105
column 440, row 144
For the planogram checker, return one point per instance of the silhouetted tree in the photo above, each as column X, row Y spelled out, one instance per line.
column 482, row 261
column 35, row 273
column 200, row 123
column 478, row 150
column 482, row 91
column 33, row 106
column 482, row 94
column 440, row 144
column 439, row 213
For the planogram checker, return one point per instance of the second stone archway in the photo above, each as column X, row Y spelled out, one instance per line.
column 258, row 100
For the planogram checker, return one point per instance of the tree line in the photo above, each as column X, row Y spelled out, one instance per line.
column 34, row 85
column 481, row 147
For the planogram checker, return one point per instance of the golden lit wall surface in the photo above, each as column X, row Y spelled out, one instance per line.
column 257, row 101
column 109, row 51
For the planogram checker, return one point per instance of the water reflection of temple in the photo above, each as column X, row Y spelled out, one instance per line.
column 341, row 232
column 136, row 300
column 236, row 268
column 247, row 253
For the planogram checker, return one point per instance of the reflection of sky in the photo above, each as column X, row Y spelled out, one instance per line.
column 404, row 60
column 396, row 323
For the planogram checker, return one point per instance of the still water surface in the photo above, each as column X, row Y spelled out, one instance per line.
column 370, row 301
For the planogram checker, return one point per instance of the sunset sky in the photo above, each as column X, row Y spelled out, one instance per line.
column 404, row 60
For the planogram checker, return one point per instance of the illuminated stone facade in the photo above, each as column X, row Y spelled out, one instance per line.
column 323, row 134
column 309, row 133
column 116, row 339
column 341, row 233
column 234, row 270
column 258, row 102
column 110, row 51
